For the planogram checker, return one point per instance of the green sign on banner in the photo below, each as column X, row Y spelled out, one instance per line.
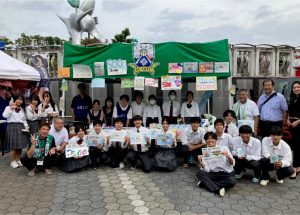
column 153, row 60
column 74, row 3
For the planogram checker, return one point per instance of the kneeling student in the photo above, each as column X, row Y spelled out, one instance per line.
column 247, row 153
column 216, row 175
column 98, row 145
column 277, row 156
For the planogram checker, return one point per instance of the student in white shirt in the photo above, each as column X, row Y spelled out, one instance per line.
column 98, row 148
column 140, row 151
column 48, row 108
column 193, row 142
column 216, row 176
column 247, row 154
column 189, row 108
column 277, row 156
column 32, row 114
column 230, row 126
column 60, row 134
column 171, row 108
column 138, row 105
column 224, row 139
column 246, row 109
column 152, row 113
column 118, row 150
column 123, row 110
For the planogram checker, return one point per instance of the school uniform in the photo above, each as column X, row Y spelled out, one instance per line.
column 140, row 151
column 33, row 119
column 171, row 109
column 96, row 117
column 251, row 151
column 217, row 175
column 283, row 152
column 16, row 120
column 43, row 113
column 117, row 150
column 225, row 140
column 123, row 113
column 138, row 109
column 231, row 129
column 188, row 113
column 96, row 153
column 152, row 114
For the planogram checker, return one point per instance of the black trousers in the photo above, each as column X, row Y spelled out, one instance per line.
column 187, row 153
column 265, row 127
column 96, row 154
column 143, row 157
column 282, row 173
column 31, row 163
column 295, row 132
column 241, row 164
column 116, row 155
column 214, row 181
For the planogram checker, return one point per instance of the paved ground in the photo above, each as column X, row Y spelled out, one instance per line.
column 114, row 191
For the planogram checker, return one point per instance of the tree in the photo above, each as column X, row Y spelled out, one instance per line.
column 26, row 40
column 122, row 37
column 86, row 41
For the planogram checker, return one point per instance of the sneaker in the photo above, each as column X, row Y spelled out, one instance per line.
column 185, row 165
column 19, row 163
column 222, row 192
column 278, row 181
column 48, row 171
column 121, row 165
column 199, row 183
column 255, row 180
column 14, row 164
column 264, row 182
column 31, row 173
column 239, row 176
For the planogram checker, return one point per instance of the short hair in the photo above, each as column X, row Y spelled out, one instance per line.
column 81, row 86
column 243, row 90
column 275, row 130
column 195, row 120
column 189, row 93
column 245, row 129
column 97, row 122
column 152, row 97
column 221, row 121
column 118, row 120
column 58, row 118
column 124, row 96
column 78, row 127
column 166, row 119
column 138, row 93
column 96, row 101
column 137, row 117
column 227, row 112
column 210, row 134
column 44, row 124
column 172, row 91
column 268, row 80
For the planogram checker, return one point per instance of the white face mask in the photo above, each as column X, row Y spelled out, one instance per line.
column 172, row 97
column 152, row 102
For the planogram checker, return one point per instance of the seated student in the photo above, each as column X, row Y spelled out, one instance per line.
column 193, row 141
column 123, row 110
column 216, row 176
column 60, row 134
column 224, row 139
column 98, row 147
column 168, row 162
column 230, row 126
column 118, row 150
column 247, row 153
column 140, row 151
column 277, row 156
column 152, row 113
column 41, row 152
column 76, row 163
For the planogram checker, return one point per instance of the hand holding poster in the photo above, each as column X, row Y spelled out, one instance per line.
column 75, row 150
column 171, row 82
column 164, row 139
column 137, row 138
column 206, row 83
column 211, row 153
column 116, row 136
column 94, row 140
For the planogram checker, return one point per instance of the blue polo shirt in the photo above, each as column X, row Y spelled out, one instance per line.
column 81, row 107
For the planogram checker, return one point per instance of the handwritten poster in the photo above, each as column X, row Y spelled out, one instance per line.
column 82, row 71
column 137, row 138
column 211, row 153
column 127, row 83
column 98, row 83
column 221, row 67
column 139, row 83
column 190, row 67
column 151, row 82
column 206, row 83
column 206, row 67
column 176, row 68
column 116, row 67
column 75, row 150
column 171, row 82
column 64, row 72
column 93, row 140
column 116, row 136
column 99, row 68
column 164, row 139
column 179, row 130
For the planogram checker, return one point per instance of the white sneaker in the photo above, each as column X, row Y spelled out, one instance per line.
column 278, row 181
column 264, row 182
column 31, row 173
column 19, row 163
column 222, row 192
column 121, row 165
column 14, row 164
column 199, row 183
column 255, row 180
column 48, row 171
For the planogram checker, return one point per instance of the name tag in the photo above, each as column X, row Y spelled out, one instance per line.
column 40, row 162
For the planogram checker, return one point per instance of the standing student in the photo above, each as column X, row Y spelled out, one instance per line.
column 189, row 108
column 118, row 150
column 171, row 108
column 98, row 147
column 108, row 111
column 216, row 176
column 272, row 107
column 138, row 105
column 230, row 126
column 96, row 114
column 277, row 155
column 294, row 123
column 152, row 113
column 5, row 98
column 15, row 139
column 140, row 151
column 246, row 109
column 47, row 109
column 32, row 114
column 224, row 139
column 123, row 110
column 81, row 104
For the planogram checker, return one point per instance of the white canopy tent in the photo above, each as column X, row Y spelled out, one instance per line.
column 13, row 69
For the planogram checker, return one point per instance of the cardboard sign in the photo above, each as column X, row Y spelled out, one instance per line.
column 171, row 82
column 82, row 71
column 116, row 67
column 64, row 72
column 75, row 150
column 206, row 83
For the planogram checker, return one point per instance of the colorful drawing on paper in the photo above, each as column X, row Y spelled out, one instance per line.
column 151, row 82
column 171, row 82
column 82, row 71
column 116, row 67
column 206, row 67
column 99, row 68
column 175, row 68
column 206, row 83
column 190, row 67
column 221, row 67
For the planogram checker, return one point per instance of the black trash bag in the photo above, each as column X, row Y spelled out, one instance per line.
column 165, row 160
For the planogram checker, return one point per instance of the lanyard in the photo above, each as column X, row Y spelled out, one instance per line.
column 243, row 114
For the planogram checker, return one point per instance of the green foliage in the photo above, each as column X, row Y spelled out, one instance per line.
column 122, row 37
column 25, row 40
column 6, row 40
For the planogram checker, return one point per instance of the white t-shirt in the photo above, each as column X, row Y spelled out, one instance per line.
column 59, row 136
column 246, row 111
column 190, row 112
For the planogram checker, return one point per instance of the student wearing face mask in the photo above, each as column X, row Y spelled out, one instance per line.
column 189, row 108
column 152, row 112
column 171, row 108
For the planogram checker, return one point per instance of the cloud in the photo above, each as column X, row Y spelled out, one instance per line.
column 120, row 5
